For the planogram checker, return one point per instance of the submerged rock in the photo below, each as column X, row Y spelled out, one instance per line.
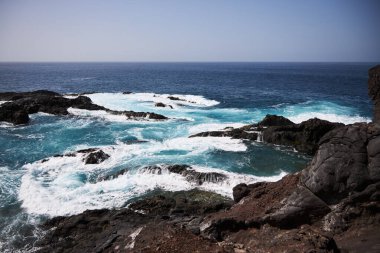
column 162, row 105
column 112, row 175
column 189, row 173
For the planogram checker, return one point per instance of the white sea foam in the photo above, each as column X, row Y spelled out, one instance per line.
column 100, row 114
column 55, row 187
column 212, row 127
column 345, row 119
column 190, row 100
column 202, row 144
column 4, row 124
column 120, row 101
column 3, row 102
column 59, row 185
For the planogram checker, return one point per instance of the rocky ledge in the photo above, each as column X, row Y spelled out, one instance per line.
column 333, row 205
column 20, row 105
column 278, row 130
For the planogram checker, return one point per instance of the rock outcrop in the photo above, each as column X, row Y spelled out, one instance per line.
column 22, row 104
column 187, row 172
column 304, row 137
column 159, row 223
column 374, row 91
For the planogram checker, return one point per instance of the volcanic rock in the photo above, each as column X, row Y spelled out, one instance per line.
column 189, row 173
column 162, row 105
column 96, row 157
column 21, row 104
column 374, row 91
column 274, row 120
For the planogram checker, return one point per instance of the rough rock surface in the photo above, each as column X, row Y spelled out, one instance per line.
column 303, row 137
column 374, row 91
column 96, row 157
column 189, row 173
column 22, row 104
column 278, row 130
column 274, row 120
column 158, row 223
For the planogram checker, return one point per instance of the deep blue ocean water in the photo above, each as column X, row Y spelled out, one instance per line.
column 218, row 95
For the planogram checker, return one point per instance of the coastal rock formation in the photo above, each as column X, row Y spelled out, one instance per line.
column 374, row 91
column 274, row 120
column 92, row 155
column 333, row 205
column 96, row 157
column 304, row 137
column 22, row 104
column 159, row 223
column 189, row 173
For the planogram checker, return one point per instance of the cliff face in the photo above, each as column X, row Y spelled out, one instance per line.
column 374, row 91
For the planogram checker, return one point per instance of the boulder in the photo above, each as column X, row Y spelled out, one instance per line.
column 96, row 157
column 345, row 162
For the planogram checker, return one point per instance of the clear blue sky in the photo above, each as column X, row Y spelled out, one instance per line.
column 190, row 30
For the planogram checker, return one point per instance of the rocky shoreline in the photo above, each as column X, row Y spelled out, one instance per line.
column 19, row 105
column 332, row 205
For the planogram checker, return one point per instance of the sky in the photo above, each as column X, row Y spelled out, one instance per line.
column 196, row 30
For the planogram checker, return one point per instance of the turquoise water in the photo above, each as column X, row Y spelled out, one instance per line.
column 218, row 96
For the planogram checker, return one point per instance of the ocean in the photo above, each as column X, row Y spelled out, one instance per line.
column 214, row 96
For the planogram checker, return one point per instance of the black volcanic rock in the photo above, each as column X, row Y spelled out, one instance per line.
column 162, row 105
column 158, row 223
column 303, row 137
column 374, row 91
column 96, row 157
column 189, row 173
column 278, row 130
column 347, row 161
column 235, row 133
column 193, row 202
column 21, row 104
column 274, row 120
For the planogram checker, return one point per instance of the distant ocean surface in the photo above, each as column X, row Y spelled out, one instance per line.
column 216, row 95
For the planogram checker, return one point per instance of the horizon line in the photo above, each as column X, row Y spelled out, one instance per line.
column 2, row 62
